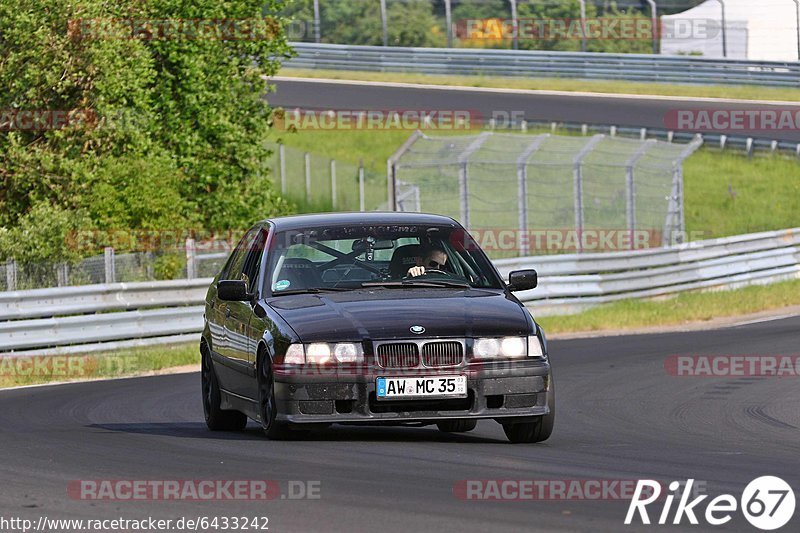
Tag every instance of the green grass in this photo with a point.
(727, 193)
(681, 309)
(16, 371)
(561, 84)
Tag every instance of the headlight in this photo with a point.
(320, 353)
(487, 348)
(535, 347)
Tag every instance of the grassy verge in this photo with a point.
(560, 84)
(77, 367)
(681, 309)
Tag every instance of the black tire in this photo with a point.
(266, 403)
(457, 426)
(216, 419)
(539, 428)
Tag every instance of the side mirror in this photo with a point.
(523, 280)
(232, 290)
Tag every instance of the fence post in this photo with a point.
(522, 191)
(654, 17)
(11, 274)
(282, 167)
(514, 25)
(307, 158)
(384, 24)
(463, 176)
(333, 184)
(583, 25)
(362, 202)
(724, 29)
(317, 32)
(630, 208)
(577, 173)
(448, 20)
(110, 264)
(62, 275)
(191, 259)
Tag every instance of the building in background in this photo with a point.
(765, 30)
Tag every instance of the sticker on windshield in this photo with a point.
(282, 285)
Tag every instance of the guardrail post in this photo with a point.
(110, 264)
(577, 173)
(333, 184)
(282, 166)
(191, 259)
(11, 275)
(307, 159)
(362, 202)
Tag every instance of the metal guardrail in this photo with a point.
(172, 311)
(519, 63)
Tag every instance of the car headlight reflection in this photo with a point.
(507, 347)
(490, 348)
(321, 353)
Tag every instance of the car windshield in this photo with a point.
(331, 259)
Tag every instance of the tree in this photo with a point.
(161, 124)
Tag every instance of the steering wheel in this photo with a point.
(436, 271)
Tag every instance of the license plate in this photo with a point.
(421, 387)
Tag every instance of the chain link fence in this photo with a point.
(529, 185)
(447, 23)
(319, 183)
(112, 268)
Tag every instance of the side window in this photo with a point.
(255, 253)
(235, 266)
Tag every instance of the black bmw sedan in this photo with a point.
(371, 318)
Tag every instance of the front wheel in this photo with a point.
(216, 419)
(266, 401)
(538, 428)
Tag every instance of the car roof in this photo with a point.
(298, 222)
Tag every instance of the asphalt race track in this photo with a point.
(620, 416)
(579, 108)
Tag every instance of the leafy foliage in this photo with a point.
(174, 128)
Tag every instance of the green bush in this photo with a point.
(176, 128)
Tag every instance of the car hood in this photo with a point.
(390, 313)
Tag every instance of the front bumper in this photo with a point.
(497, 390)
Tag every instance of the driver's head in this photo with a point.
(435, 258)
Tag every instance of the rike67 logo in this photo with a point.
(767, 503)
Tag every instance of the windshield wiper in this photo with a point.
(313, 290)
(437, 283)
(409, 283)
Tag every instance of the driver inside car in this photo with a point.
(435, 259)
